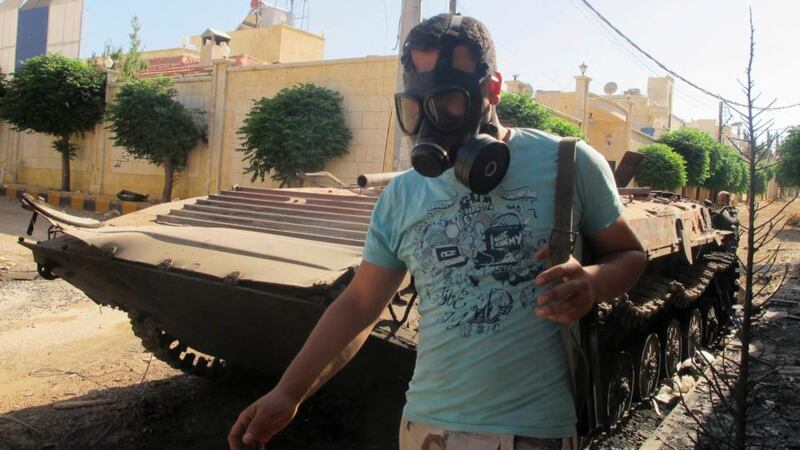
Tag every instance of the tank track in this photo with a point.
(174, 352)
(659, 323)
(653, 293)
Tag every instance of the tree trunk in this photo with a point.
(65, 170)
(169, 172)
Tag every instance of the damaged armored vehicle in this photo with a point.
(199, 277)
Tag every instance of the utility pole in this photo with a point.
(719, 131)
(411, 15)
(452, 6)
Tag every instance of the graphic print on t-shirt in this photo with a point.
(481, 248)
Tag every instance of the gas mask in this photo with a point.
(443, 109)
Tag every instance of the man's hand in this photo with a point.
(343, 328)
(570, 299)
(259, 422)
(619, 261)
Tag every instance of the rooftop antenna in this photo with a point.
(301, 11)
(255, 10)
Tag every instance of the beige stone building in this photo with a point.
(617, 122)
(223, 83)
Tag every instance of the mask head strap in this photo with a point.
(450, 39)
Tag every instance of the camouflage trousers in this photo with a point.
(417, 436)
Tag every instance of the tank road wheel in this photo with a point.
(672, 347)
(711, 323)
(619, 387)
(692, 333)
(648, 366)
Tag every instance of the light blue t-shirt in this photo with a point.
(485, 361)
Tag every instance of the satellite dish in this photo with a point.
(610, 88)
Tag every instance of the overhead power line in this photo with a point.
(672, 72)
(647, 66)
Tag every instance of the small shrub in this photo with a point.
(298, 130)
(661, 168)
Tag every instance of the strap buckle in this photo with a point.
(571, 238)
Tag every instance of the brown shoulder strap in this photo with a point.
(562, 242)
(562, 238)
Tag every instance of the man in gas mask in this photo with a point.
(467, 223)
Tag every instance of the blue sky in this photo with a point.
(543, 41)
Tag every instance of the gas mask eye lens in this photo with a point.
(409, 113)
(448, 109)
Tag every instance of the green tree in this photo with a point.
(2, 84)
(788, 168)
(58, 96)
(763, 176)
(561, 127)
(299, 129)
(724, 173)
(661, 168)
(522, 111)
(151, 124)
(695, 147)
(743, 177)
(131, 62)
(2, 91)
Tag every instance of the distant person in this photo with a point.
(727, 216)
(491, 370)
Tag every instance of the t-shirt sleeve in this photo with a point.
(597, 190)
(382, 242)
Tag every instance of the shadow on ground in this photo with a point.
(189, 413)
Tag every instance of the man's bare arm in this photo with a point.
(336, 338)
(620, 259)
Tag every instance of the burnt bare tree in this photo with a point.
(730, 382)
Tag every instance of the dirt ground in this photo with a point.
(57, 346)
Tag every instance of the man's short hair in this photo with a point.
(427, 35)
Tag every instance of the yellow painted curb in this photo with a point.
(129, 207)
(76, 202)
(101, 205)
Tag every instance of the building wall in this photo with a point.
(170, 52)
(560, 101)
(38, 27)
(226, 96)
(64, 27)
(639, 140)
(275, 44)
(367, 86)
(608, 138)
(708, 125)
(298, 45)
(9, 16)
